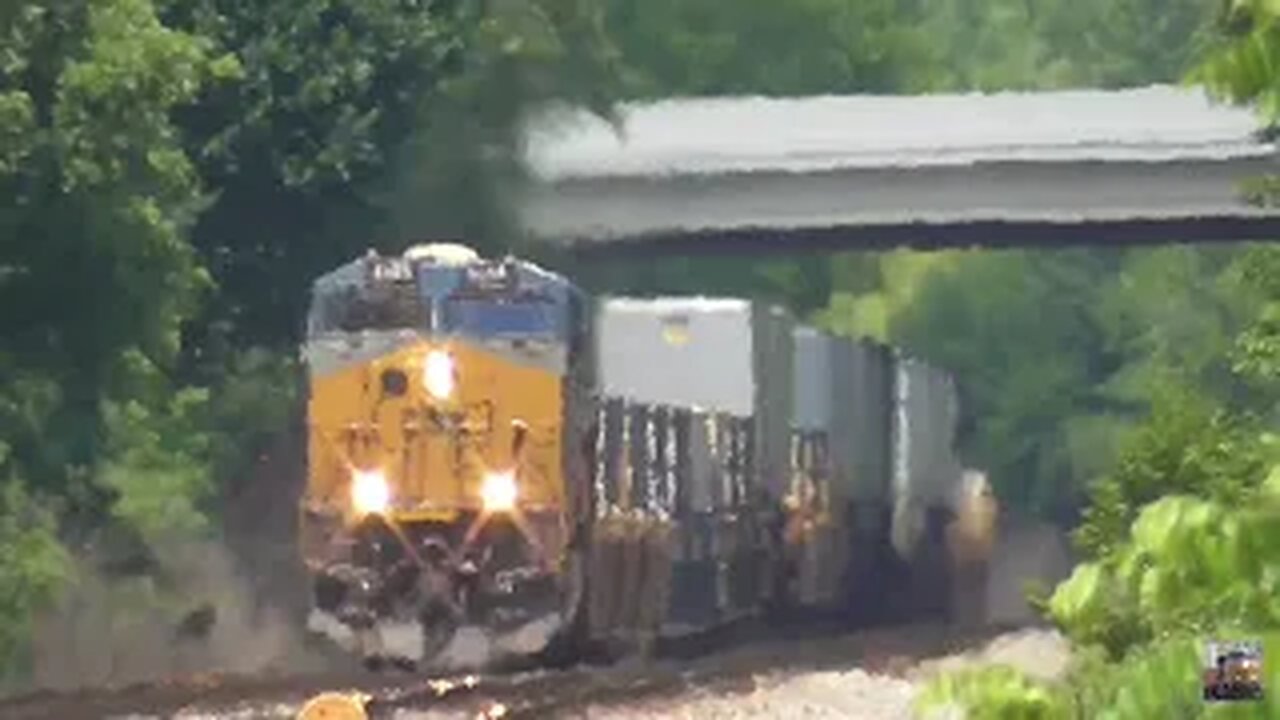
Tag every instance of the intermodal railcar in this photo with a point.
(489, 447)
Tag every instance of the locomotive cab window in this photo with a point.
(497, 317)
(351, 309)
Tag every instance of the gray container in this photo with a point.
(844, 387)
(927, 470)
(813, 376)
(720, 355)
(862, 416)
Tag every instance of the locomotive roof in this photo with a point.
(354, 272)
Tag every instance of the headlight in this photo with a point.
(499, 492)
(370, 493)
(437, 374)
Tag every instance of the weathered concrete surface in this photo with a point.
(1132, 166)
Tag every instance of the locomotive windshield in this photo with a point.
(504, 300)
(352, 309)
(503, 317)
(480, 300)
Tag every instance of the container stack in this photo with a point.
(926, 471)
(721, 369)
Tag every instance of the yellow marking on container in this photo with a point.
(675, 331)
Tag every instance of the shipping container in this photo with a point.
(813, 375)
(927, 470)
(719, 355)
(843, 390)
(862, 416)
(689, 468)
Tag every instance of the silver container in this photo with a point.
(927, 472)
(862, 415)
(812, 378)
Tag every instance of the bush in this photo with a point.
(1189, 569)
(33, 566)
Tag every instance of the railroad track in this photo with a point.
(727, 656)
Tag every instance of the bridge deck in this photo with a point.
(1140, 165)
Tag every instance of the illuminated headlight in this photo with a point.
(437, 374)
(499, 492)
(370, 493)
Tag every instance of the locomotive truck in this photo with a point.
(489, 447)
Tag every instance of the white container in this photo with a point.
(712, 354)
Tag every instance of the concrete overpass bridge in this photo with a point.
(1151, 165)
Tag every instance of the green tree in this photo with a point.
(711, 47)
(98, 276)
(1239, 64)
(1017, 330)
(987, 46)
(348, 119)
(33, 565)
(1119, 43)
(1058, 353)
(1203, 559)
(271, 136)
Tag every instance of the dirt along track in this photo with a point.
(724, 670)
(707, 678)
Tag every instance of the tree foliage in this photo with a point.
(97, 275)
(1058, 354)
(711, 47)
(1189, 569)
(1240, 65)
(33, 565)
(1183, 533)
(1030, 44)
(365, 123)
(174, 174)
(1181, 540)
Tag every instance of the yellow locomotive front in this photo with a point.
(442, 485)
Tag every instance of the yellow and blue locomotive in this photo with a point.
(447, 469)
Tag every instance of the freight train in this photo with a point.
(489, 447)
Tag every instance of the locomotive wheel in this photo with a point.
(569, 642)
(439, 625)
